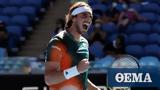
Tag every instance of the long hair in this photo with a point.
(69, 17)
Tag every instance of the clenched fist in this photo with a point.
(83, 66)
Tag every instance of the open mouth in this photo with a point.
(85, 25)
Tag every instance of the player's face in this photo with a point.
(82, 22)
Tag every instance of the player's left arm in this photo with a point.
(92, 86)
(84, 53)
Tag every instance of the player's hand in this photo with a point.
(83, 66)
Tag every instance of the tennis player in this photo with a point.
(67, 53)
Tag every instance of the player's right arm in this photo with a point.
(53, 75)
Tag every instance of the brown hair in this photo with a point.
(69, 17)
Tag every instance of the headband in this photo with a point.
(81, 10)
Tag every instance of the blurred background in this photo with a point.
(119, 27)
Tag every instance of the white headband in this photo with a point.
(81, 9)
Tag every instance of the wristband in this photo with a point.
(70, 72)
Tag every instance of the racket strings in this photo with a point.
(125, 62)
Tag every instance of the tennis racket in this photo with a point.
(124, 61)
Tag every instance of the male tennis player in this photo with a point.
(67, 54)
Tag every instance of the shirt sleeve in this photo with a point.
(53, 51)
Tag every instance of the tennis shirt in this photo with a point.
(64, 49)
